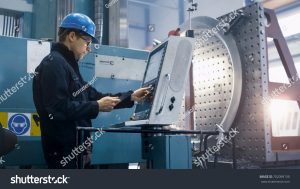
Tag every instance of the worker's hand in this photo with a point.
(140, 94)
(107, 104)
(174, 32)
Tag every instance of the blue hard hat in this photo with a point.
(80, 22)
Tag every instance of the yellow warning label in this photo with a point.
(3, 119)
(35, 125)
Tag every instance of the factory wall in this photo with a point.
(152, 20)
(215, 8)
(164, 17)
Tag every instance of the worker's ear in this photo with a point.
(72, 36)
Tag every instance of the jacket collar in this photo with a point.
(67, 54)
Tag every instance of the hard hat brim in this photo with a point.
(94, 40)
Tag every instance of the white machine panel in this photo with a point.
(166, 73)
(119, 67)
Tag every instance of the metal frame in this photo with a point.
(148, 133)
(289, 143)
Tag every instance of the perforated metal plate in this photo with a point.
(252, 118)
(217, 97)
(217, 82)
(217, 75)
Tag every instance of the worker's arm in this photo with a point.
(54, 82)
(125, 98)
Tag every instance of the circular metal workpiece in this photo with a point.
(217, 73)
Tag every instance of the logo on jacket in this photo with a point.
(19, 124)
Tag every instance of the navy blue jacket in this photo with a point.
(56, 81)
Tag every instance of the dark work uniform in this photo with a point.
(8, 140)
(56, 81)
(1, 140)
